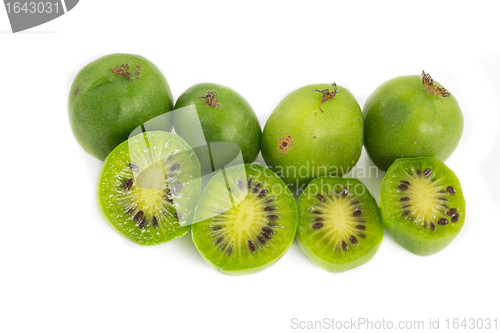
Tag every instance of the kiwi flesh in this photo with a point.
(422, 203)
(340, 226)
(149, 186)
(245, 221)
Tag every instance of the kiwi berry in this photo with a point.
(245, 221)
(422, 203)
(340, 227)
(149, 186)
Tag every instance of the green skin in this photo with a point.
(402, 119)
(235, 122)
(216, 196)
(105, 108)
(324, 143)
(313, 242)
(116, 169)
(410, 235)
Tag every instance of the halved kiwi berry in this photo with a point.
(340, 227)
(423, 206)
(247, 220)
(149, 186)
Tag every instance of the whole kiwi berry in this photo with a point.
(315, 131)
(112, 96)
(411, 116)
(229, 125)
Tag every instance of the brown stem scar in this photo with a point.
(327, 95)
(284, 144)
(432, 88)
(122, 70)
(211, 99)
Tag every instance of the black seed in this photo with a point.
(272, 217)
(178, 216)
(444, 199)
(442, 221)
(128, 184)
(143, 223)
(433, 227)
(262, 240)
(316, 212)
(317, 225)
(353, 240)
(263, 193)
(168, 159)
(175, 167)
(362, 235)
(361, 221)
(357, 212)
(405, 182)
(360, 227)
(249, 183)
(240, 185)
(406, 206)
(354, 203)
(404, 199)
(155, 222)
(133, 167)
(344, 191)
(418, 172)
(455, 218)
(229, 250)
(319, 219)
(251, 246)
(403, 187)
(405, 213)
(451, 190)
(257, 187)
(216, 227)
(218, 240)
(269, 208)
(451, 211)
(424, 224)
(169, 199)
(344, 246)
(130, 211)
(320, 197)
(138, 216)
(427, 172)
(178, 187)
(442, 204)
(269, 201)
(268, 236)
(271, 224)
(267, 230)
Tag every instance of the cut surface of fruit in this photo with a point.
(340, 226)
(149, 186)
(422, 204)
(245, 221)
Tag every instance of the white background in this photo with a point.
(63, 269)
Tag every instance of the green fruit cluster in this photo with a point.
(121, 111)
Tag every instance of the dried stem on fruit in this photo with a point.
(431, 88)
(327, 95)
(211, 99)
